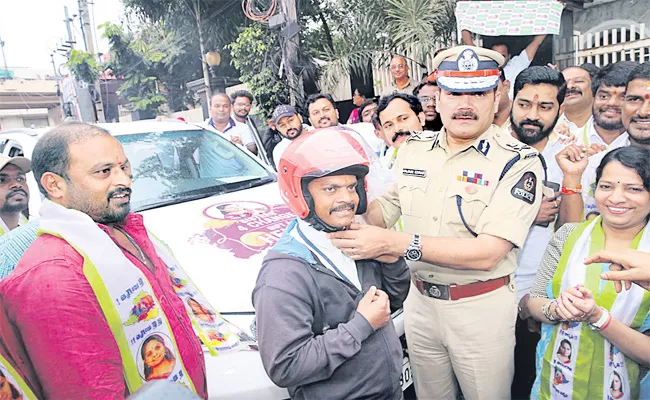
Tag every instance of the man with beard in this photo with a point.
(579, 99)
(539, 93)
(426, 94)
(324, 114)
(636, 110)
(513, 65)
(398, 115)
(606, 127)
(14, 193)
(62, 323)
(289, 123)
(241, 107)
(323, 319)
(603, 133)
(467, 196)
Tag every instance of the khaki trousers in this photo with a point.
(470, 340)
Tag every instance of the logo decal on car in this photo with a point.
(245, 228)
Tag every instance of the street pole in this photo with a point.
(291, 51)
(58, 86)
(86, 29)
(89, 43)
(68, 27)
(4, 58)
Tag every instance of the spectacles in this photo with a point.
(398, 66)
(426, 100)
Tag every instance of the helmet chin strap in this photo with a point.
(320, 225)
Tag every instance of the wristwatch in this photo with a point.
(601, 323)
(414, 251)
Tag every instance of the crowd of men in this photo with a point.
(499, 167)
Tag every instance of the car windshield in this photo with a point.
(176, 166)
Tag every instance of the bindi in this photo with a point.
(536, 98)
(647, 96)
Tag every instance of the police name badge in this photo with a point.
(418, 173)
(525, 188)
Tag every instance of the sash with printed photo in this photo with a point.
(209, 325)
(12, 385)
(579, 363)
(141, 328)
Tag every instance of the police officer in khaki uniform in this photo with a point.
(468, 196)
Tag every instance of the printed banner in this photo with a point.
(509, 18)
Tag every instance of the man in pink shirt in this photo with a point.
(53, 327)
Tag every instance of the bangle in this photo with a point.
(546, 311)
(575, 190)
(609, 319)
(602, 322)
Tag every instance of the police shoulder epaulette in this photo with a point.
(511, 144)
(422, 136)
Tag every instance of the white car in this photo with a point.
(219, 220)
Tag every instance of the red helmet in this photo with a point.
(315, 154)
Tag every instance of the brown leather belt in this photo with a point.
(457, 292)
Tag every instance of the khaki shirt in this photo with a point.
(392, 88)
(430, 178)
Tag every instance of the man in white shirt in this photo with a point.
(215, 159)
(221, 121)
(539, 93)
(579, 100)
(514, 65)
(324, 114)
(398, 115)
(242, 102)
(289, 123)
(606, 127)
(605, 132)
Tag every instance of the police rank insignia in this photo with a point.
(472, 178)
(525, 188)
(484, 147)
(467, 61)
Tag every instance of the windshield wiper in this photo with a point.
(247, 184)
(174, 200)
(207, 192)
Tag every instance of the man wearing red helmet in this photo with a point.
(323, 319)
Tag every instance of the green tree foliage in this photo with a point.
(132, 60)
(153, 65)
(388, 27)
(219, 21)
(337, 37)
(83, 66)
(255, 55)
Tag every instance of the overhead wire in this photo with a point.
(254, 10)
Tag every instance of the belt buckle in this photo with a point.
(438, 291)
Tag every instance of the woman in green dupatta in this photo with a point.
(575, 305)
